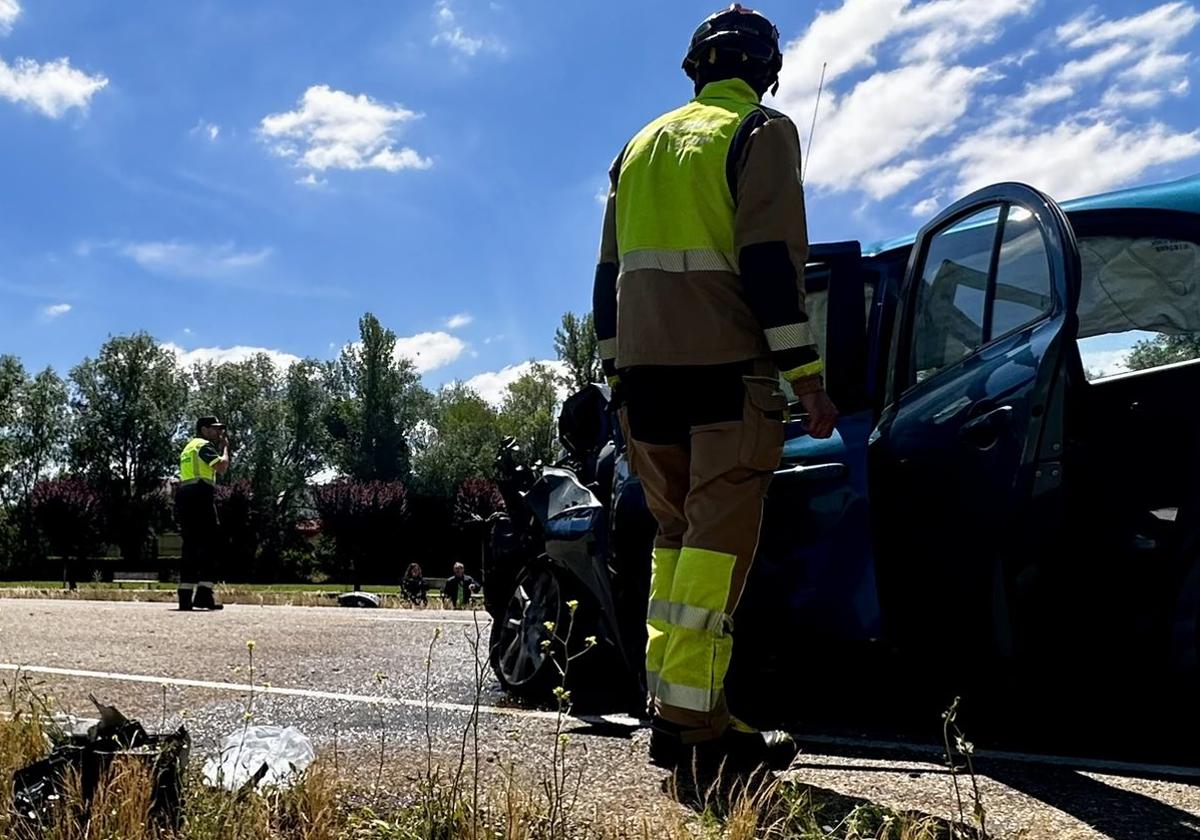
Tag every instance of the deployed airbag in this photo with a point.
(1139, 283)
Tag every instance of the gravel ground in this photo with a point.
(342, 652)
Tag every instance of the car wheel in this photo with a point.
(517, 658)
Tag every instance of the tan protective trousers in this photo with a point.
(706, 491)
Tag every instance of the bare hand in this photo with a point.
(822, 414)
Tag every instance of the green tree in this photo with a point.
(43, 425)
(576, 344)
(1165, 350)
(277, 433)
(304, 449)
(129, 403)
(378, 402)
(248, 397)
(461, 440)
(12, 381)
(529, 413)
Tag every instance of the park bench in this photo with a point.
(143, 578)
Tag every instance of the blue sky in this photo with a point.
(233, 175)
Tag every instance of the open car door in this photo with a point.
(964, 463)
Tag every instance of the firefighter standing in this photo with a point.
(204, 458)
(698, 304)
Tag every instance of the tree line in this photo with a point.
(355, 449)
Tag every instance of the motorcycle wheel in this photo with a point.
(516, 654)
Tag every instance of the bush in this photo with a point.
(476, 500)
(69, 515)
(363, 520)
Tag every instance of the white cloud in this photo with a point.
(1157, 65)
(457, 322)
(221, 355)
(926, 208)
(56, 311)
(207, 129)
(852, 36)
(311, 180)
(1136, 50)
(923, 97)
(10, 10)
(1069, 159)
(1161, 25)
(451, 34)
(1101, 363)
(332, 129)
(1120, 99)
(906, 104)
(430, 350)
(949, 27)
(493, 384)
(191, 260)
(1041, 94)
(52, 88)
(916, 102)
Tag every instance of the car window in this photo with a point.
(1023, 289)
(951, 295)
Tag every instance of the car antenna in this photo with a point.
(813, 128)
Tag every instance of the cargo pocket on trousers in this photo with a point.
(763, 423)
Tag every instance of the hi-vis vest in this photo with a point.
(675, 206)
(192, 468)
(684, 202)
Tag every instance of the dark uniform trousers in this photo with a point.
(197, 515)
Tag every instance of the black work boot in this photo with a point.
(666, 746)
(739, 747)
(206, 600)
(185, 598)
(748, 748)
(718, 774)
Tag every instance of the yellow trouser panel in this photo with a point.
(698, 642)
(662, 575)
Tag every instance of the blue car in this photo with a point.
(988, 493)
(991, 493)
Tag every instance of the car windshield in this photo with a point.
(1138, 306)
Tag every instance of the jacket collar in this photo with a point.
(728, 89)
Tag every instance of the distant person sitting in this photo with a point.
(413, 585)
(460, 587)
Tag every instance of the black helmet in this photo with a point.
(741, 33)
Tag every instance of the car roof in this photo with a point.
(1182, 195)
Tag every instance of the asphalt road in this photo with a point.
(348, 677)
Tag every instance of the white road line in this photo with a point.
(309, 693)
(1095, 765)
(1088, 764)
(483, 622)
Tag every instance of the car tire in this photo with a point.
(523, 669)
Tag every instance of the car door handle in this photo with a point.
(985, 430)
